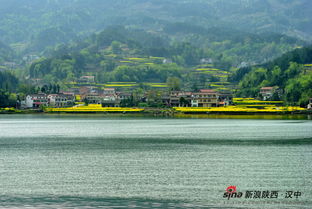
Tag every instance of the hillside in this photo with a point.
(42, 23)
(118, 54)
(291, 73)
(6, 53)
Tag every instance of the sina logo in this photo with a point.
(231, 192)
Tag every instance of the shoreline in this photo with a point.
(157, 112)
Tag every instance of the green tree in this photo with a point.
(173, 83)
(116, 47)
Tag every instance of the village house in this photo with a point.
(110, 98)
(205, 98)
(84, 90)
(206, 61)
(243, 65)
(310, 104)
(61, 100)
(167, 61)
(30, 58)
(180, 99)
(109, 91)
(225, 98)
(123, 95)
(92, 98)
(71, 91)
(36, 100)
(267, 92)
(54, 100)
(107, 96)
(110, 101)
(86, 79)
(165, 99)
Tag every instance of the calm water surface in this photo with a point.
(80, 161)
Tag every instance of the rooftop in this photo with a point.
(207, 91)
(267, 88)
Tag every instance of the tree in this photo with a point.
(86, 101)
(174, 83)
(116, 47)
(154, 98)
(7, 99)
(293, 91)
(183, 102)
(293, 70)
(276, 77)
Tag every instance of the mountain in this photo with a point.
(64, 20)
(6, 53)
(192, 46)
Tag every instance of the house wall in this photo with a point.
(29, 102)
(205, 100)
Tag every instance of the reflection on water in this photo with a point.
(179, 116)
(91, 161)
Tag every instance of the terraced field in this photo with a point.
(118, 85)
(142, 60)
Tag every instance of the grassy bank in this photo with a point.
(9, 110)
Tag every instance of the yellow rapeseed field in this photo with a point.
(93, 108)
(268, 108)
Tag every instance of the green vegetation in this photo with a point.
(287, 72)
(6, 54)
(187, 45)
(8, 83)
(38, 27)
(46, 22)
(125, 55)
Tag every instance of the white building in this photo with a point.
(310, 104)
(53, 100)
(61, 100)
(109, 91)
(36, 100)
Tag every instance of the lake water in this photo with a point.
(88, 161)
